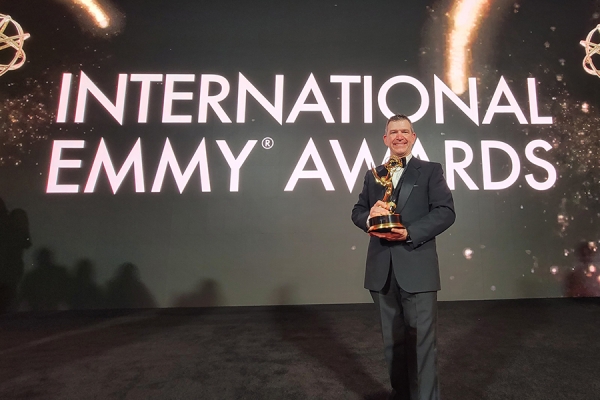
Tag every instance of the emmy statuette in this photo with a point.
(385, 223)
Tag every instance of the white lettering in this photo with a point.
(276, 109)
(419, 151)
(214, 100)
(488, 184)
(86, 85)
(368, 99)
(471, 111)
(533, 106)
(63, 102)
(513, 107)
(382, 97)
(171, 95)
(235, 163)
(321, 106)
(168, 159)
(299, 173)
(458, 167)
(345, 80)
(146, 79)
(57, 163)
(529, 153)
(103, 159)
(364, 156)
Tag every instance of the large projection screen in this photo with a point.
(194, 153)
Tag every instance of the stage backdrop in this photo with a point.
(193, 153)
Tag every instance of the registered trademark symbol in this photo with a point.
(267, 143)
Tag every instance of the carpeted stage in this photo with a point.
(513, 349)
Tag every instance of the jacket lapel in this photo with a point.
(409, 178)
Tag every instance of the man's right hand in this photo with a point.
(379, 208)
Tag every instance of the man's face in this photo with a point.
(399, 138)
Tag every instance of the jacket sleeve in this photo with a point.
(361, 210)
(441, 213)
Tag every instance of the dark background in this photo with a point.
(262, 245)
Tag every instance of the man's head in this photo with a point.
(399, 135)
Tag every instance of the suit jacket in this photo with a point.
(427, 209)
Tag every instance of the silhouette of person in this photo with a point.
(126, 290)
(583, 281)
(85, 293)
(206, 294)
(14, 240)
(46, 287)
(5, 294)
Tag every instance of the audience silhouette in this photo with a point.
(85, 293)
(14, 240)
(126, 290)
(584, 278)
(46, 287)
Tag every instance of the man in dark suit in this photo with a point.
(402, 270)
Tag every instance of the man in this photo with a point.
(402, 270)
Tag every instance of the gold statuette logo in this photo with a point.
(591, 49)
(11, 37)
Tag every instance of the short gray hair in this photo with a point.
(399, 117)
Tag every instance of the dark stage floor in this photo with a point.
(515, 349)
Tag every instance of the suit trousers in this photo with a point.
(409, 330)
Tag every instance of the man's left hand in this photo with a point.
(396, 235)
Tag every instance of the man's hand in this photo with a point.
(396, 235)
(380, 208)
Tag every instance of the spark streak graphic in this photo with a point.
(99, 17)
(95, 10)
(465, 18)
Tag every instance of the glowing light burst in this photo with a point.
(101, 18)
(591, 49)
(24, 120)
(14, 41)
(95, 10)
(465, 18)
(468, 253)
